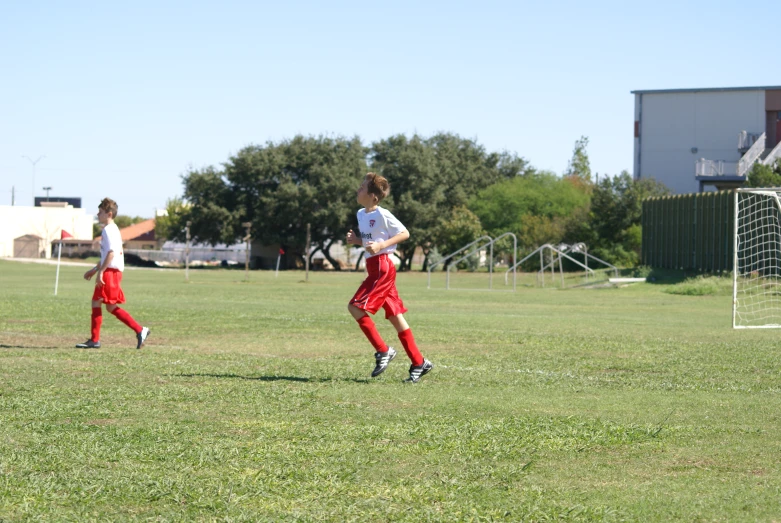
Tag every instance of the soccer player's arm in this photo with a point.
(375, 247)
(352, 238)
(396, 239)
(103, 266)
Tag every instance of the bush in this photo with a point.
(434, 257)
(471, 263)
(643, 271)
(702, 286)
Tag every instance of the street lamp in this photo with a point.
(47, 189)
(34, 162)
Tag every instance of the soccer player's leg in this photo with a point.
(113, 296)
(367, 300)
(394, 311)
(95, 322)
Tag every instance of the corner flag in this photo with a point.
(63, 235)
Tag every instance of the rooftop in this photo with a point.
(137, 230)
(709, 89)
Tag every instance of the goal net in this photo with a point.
(756, 287)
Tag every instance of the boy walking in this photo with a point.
(380, 232)
(108, 288)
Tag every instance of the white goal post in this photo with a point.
(756, 274)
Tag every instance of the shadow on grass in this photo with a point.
(4, 346)
(268, 378)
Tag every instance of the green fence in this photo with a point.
(689, 231)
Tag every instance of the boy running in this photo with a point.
(108, 289)
(380, 233)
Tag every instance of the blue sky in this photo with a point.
(123, 99)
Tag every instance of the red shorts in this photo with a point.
(379, 288)
(111, 291)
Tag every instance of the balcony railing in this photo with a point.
(746, 140)
(716, 168)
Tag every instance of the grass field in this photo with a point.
(252, 402)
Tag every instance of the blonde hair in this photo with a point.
(378, 186)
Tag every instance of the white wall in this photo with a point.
(671, 124)
(46, 222)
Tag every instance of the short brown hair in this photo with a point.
(109, 205)
(378, 186)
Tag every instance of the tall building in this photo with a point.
(703, 139)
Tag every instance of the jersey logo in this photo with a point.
(371, 223)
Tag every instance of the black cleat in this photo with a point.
(141, 337)
(383, 358)
(418, 371)
(89, 344)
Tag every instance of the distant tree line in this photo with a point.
(446, 189)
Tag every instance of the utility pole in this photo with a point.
(13, 195)
(34, 162)
(187, 251)
(47, 189)
(308, 242)
(247, 238)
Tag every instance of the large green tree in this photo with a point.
(432, 176)
(457, 228)
(612, 231)
(169, 226)
(212, 208)
(535, 207)
(279, 188)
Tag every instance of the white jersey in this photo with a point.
(378, 225)
(111, 240)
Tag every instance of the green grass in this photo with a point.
(252, 402)
(703, 286)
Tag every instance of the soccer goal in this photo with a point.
(756, 275)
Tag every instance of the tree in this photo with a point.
(613, 226)
(762, 175)
(457, 229)
(212, 208)
(416, 199)
(279, 188)
(535, 207)
(432, 176)
(299, 181)
(579, 167)
(171, 225)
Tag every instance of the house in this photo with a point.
(704, 139)
(29, 246)
(140, 235)
(27, 231)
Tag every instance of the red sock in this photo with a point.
(97, 321)
(408, 341)
(127, 319)
(368, 328)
